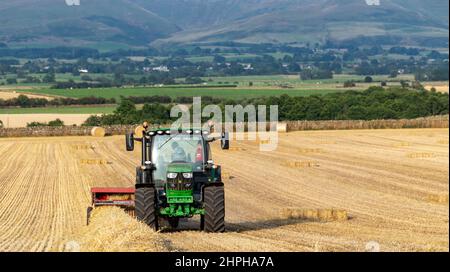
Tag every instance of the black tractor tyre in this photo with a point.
(145, 206)
(214, 201)
(174, 222)
(202, 222)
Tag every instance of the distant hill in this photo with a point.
(139, 22)
(52, 21)
(408, 21)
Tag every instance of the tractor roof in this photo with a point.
(161, 131)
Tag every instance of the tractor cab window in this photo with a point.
(180, 148)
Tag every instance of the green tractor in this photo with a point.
(178, 179)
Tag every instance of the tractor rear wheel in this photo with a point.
(145, 206)
(214, 218)
(202, 222)
(174, 222)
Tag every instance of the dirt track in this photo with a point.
(393, 184)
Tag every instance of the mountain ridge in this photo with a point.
(160, 22)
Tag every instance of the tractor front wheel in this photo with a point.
(214, 218)
(145, 207)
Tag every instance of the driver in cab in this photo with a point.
(178, 153)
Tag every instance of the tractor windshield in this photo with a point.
(180, 148)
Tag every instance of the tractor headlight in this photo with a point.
(187, 175)
(188, 185)
(172, 175)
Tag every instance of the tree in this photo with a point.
(23, 101)
(125, 113)
(49, 78)
(368, 79)
(155, 113)
(36, 124)
(11, 81)
(56, 123)
(219, 59)
(93, 121)
(310, 74)
(357, 113)
(294, 67)
(86, 78)
(349, 84)
(193, 80)
(119, 79)
(393, 74)
(404, 84)
(417, 85)
(380, 112)
(125, 107)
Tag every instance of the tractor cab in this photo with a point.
(178, 178)
(173, 154)
(182, 164)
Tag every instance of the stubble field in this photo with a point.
(391, 184)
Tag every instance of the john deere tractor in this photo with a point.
(178, 179)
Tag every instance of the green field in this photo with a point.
(274, 85)
(61, 110)
(232, 93)
(296, 82)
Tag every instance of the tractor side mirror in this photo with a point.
(225, 141)
(129, 141)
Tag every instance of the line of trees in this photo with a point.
(84, 85)
(164, 99)
(55, 123)
(374, 103)
(24, 101)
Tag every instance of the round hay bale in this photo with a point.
(138, 131)
(98, 132)
(282, 127)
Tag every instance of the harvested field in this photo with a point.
(4, 94)
(366, 188)
(126, 233)
(21, 120)
(440, 87)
